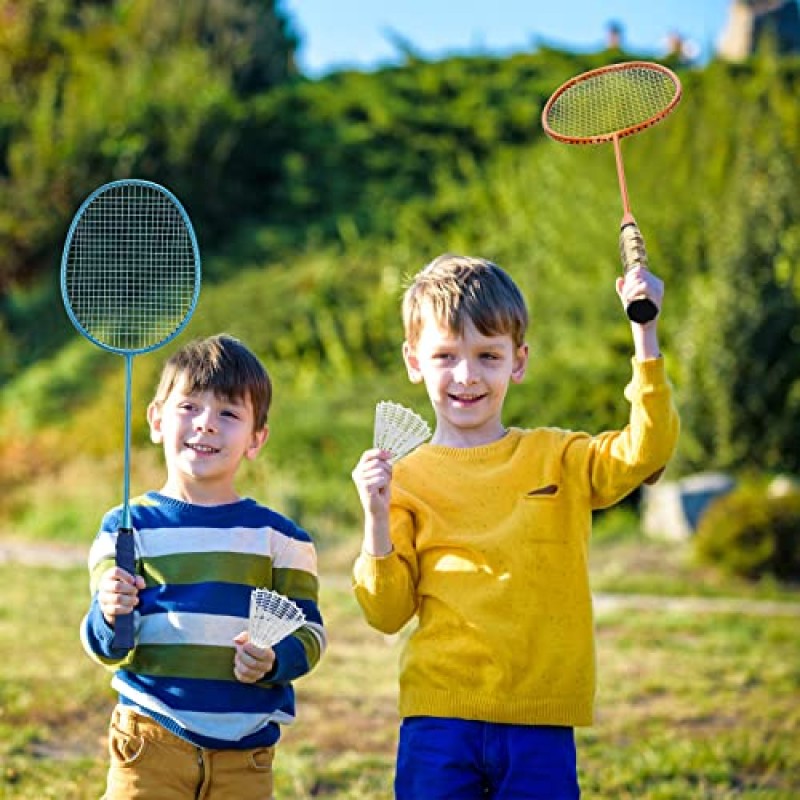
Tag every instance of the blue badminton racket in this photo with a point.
(130, 280)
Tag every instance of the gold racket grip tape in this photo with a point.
(631, 247)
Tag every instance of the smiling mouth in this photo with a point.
(202, 449)
(466, 399)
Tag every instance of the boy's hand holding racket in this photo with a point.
(641, 284)
(118, 593)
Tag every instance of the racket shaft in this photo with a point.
(125, 559)
(623, 184)
(634, 254)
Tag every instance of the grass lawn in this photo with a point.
(690, 705)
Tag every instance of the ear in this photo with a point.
(412, 363)
(520, 363)
(258, 440)
(154, 421)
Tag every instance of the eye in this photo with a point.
(229, 412)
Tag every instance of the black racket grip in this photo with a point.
(125, 554)
(641, 311)
(633, 253)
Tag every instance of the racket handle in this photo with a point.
(125, 555)
(633, 253)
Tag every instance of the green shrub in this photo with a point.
(752, 534)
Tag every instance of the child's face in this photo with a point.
(205, 438)
(467, 377)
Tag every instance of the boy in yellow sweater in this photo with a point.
(483, 535)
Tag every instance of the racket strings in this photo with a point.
(609, 102)
(130, 276)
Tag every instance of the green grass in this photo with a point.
(698, 705)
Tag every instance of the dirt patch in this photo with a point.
(81, 734)
(47, 554)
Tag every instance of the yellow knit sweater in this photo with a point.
(490, 554)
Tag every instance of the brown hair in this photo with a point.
(460, 288)
(223, 365)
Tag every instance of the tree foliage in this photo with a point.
(739, 354)
(315, 200)
(102, 90)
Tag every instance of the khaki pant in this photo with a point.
(150, 763)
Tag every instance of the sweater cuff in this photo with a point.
(369, 569)
(291, 661)
(647, 375)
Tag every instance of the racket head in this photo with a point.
(611, 102)
(130, 267)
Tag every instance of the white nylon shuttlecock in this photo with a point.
(398, 429)
(272, 617)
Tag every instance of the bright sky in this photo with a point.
(358, 33)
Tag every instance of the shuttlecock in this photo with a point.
(272, 617)
(398, 429)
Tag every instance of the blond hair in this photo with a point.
(223, 365)
(460, 288)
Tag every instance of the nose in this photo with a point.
(464, 372)
(204, 420)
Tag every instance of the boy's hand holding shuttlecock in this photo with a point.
(251, 662)
(272, 618)
(398, 431)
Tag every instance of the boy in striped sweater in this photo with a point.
(200, 706)
(482, 535)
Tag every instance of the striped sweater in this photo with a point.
(200, 565)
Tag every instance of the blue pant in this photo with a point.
(457, 759)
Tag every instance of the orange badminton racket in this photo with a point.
(606, 105)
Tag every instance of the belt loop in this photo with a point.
(126, 720)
